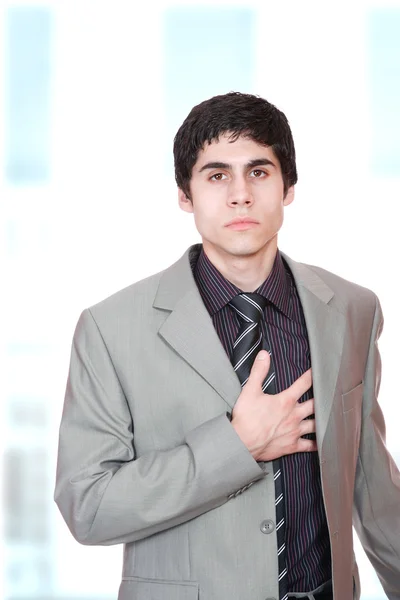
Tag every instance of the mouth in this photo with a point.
(239, 219)
(241, 226)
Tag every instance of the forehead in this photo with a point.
(241, 151)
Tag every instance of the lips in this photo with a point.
(240, 220)
(242, 225)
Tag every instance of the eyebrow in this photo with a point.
(256, 162)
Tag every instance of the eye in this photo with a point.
(258, 173)
(217, 177)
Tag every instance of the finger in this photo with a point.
(299, 387)
(259, 369)
(306, 408)
(307, 446)
(307, 426)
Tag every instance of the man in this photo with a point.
(188, 430)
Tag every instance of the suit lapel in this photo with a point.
(326, 329)
(190, 331)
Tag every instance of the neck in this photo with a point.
(246, 271)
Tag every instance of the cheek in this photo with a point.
(206, 217)
(206, 208)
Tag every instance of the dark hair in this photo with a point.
(241, 115)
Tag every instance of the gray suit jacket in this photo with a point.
(148, 458)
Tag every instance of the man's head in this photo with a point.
(235, 159)
(239, 115)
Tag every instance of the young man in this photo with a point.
(188, 430)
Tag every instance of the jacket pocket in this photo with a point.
(137, 588)
(352, 410)
(353, 398)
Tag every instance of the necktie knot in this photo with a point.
(250, 307)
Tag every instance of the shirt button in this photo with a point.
(267, 526)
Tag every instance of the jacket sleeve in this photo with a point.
(376, 513)
(108, 495)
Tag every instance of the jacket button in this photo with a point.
(267, 526)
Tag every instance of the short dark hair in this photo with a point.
(241, 115)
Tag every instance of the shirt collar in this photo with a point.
(216, 291)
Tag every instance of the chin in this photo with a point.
(243, 249)
(239, 247)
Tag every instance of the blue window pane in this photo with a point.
(384, 55)
(208, 51)
(27, 56)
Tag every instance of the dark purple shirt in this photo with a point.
(308, 557)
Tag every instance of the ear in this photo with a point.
(184, 202)
(288, 199)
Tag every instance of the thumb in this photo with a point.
(260, 368)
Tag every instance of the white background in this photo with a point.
(108, 216)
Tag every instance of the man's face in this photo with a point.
(239, 179)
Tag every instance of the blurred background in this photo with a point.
(91, 95)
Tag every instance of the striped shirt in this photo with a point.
(308, 557)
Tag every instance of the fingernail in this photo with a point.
(262, 356)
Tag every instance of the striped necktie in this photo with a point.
(249, 341)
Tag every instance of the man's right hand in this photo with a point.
(271, 425)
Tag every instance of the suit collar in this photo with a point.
(178, 280)
(307, 278)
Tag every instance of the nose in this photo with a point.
(239, 192)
